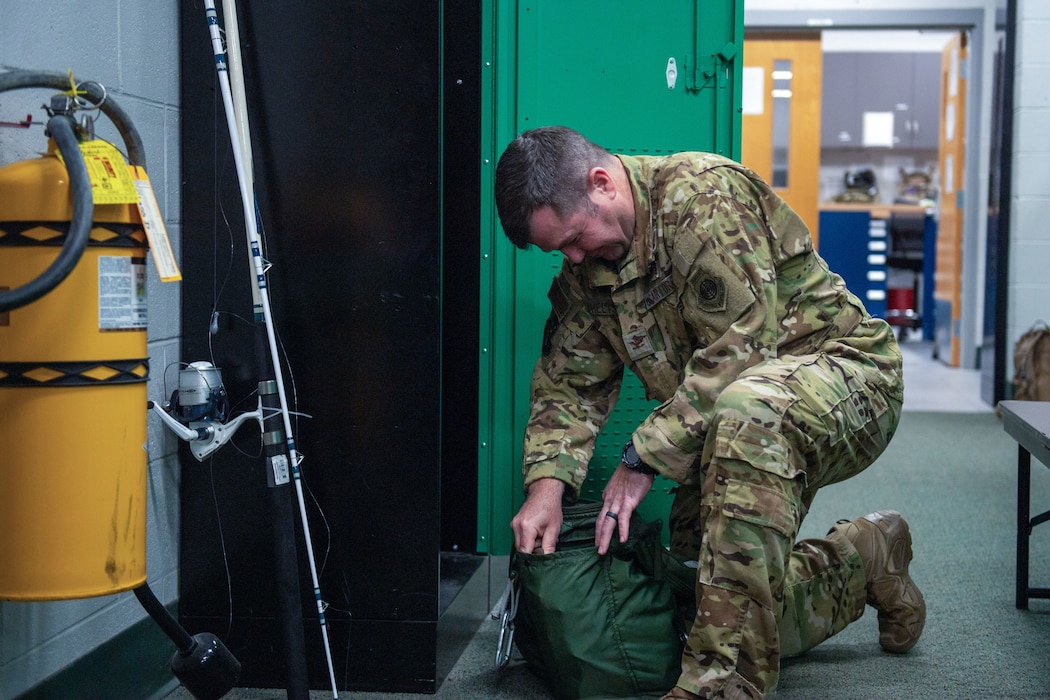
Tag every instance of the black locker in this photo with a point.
(345, 108)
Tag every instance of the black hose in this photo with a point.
(19, 79)
(61, 129)
(176, 633)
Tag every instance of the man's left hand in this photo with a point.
(623, 493)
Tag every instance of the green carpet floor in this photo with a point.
(953, 476)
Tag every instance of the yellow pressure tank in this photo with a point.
(73, 372)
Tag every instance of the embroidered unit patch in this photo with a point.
(711, 294)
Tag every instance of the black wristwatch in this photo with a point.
(632, 461)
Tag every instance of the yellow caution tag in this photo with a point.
(153, 223)
(108, 173)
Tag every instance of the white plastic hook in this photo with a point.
(672, 73)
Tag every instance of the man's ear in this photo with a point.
(600, 181)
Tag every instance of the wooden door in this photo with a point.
(780, 127)
(948, 274)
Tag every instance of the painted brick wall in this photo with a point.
(1029, 290)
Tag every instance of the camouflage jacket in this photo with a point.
(721, 275)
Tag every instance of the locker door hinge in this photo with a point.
(714, 72)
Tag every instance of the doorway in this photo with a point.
(885, 113)
(849, 123)
(980, 23)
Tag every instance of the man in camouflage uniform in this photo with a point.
(773, 381)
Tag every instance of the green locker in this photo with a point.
(643, 78)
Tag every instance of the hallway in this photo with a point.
(930, 385)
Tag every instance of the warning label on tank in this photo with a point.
(121, 293)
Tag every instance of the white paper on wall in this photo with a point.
(878, 129)
(752, 100)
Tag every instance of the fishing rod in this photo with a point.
(231, 79)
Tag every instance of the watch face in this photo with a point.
(633, 462)
(630, 455)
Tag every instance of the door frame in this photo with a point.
(981, 24)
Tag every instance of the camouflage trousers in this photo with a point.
(779, 432)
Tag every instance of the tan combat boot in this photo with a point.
(884, 543)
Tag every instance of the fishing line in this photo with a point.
(222, 547)
(218, 288)
(313, 498)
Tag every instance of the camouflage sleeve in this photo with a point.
(726, 252)
(575, 385)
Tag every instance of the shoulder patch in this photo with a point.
(710, 293)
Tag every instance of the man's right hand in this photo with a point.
(538, 523)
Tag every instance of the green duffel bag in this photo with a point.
(601, 626)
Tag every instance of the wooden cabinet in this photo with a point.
(904, 84)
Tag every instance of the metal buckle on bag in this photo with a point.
(506, 610)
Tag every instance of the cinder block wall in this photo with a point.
(1029, 290)
(132, 48)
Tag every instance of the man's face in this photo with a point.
(590, 232)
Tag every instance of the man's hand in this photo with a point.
(538, 523)
(623, 493)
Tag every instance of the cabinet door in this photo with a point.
(623, 100)
(885, 85)
(904, 84)
(925, 115)
(839, 116)
(854, 247)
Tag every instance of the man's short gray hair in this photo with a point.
(543, 167)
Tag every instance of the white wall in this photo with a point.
(132, 48)
(1029, 289)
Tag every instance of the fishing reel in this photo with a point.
(198, 410)
(201, 396)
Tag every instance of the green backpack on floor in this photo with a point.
(600, 626)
